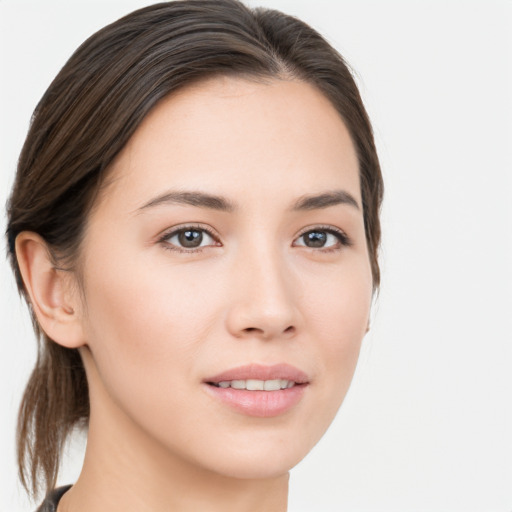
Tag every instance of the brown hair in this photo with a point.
(87, 115)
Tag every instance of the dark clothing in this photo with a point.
(52, 500)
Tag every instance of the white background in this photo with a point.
(427, 425)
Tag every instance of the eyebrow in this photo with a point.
(215, 202)
(324, 200)
(191, 198)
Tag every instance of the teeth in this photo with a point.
(272, 385)
(257, 385)
(238, 384)
(254, 385)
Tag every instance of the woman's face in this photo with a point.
(228, 251)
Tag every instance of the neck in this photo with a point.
(126, 470)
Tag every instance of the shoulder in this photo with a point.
(52, 499)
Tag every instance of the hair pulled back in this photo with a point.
(86, 117)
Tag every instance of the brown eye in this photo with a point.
(315, 238)
(189, 238)
(321, 238)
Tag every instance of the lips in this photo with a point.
(261, 372)
(258, 390)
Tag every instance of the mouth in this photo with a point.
(255, 384)
(258, 390)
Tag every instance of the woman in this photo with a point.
(194, 224)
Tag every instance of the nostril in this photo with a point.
(289, 331)
(249, 330)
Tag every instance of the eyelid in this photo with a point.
(343, 238)
(168, 233)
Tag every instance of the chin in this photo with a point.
(257, 467)
(264, 456)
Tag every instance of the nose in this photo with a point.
(264, 300)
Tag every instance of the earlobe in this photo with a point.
(50, 291)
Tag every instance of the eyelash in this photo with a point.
(176, 230)
(343, 239)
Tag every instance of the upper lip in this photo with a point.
(261, 372)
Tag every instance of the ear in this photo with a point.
(52, 291)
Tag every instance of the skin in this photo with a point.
(152, 322)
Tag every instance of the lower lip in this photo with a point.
(261, 404)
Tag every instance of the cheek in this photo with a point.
(337, 302)
(143, 326)
(136, 301)
(339, 319)
(145, 331)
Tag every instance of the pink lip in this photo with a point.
(262, 372)
(262, 404)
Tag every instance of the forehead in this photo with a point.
(238, 137)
